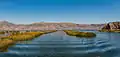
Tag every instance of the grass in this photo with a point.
(24, 36)
(7, 41)
(80, 34)
(1, 32)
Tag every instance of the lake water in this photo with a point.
(58, 44)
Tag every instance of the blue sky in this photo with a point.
(76, 11)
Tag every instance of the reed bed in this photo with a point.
(7, 41)
(1, 32)
(106, 30)
(80, 34)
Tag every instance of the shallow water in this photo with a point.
(58, 44)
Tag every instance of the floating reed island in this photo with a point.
(106, 30)
(80, 34)
(14, 37)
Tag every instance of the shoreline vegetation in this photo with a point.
(14, 37)
(106, 30)
(80, 34)
(1, 32)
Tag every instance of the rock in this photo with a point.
(107, 26)
(112, 26)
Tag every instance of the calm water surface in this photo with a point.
(58, 44)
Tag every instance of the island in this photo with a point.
(80, 34)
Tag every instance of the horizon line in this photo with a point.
(54, 22)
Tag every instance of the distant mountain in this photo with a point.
(56, 25)
(5, 25)
(90, 26)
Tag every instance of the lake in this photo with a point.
(58, 44)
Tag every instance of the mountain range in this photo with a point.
(5, 25)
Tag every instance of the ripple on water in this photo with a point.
(65, 46)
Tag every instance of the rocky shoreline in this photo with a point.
(111, 27)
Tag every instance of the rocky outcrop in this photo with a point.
(112, 26)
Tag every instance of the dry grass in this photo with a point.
(80, 34)
(7, 41)
(1, 32)
(105, 30)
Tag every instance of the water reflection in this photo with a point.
(59, 44)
